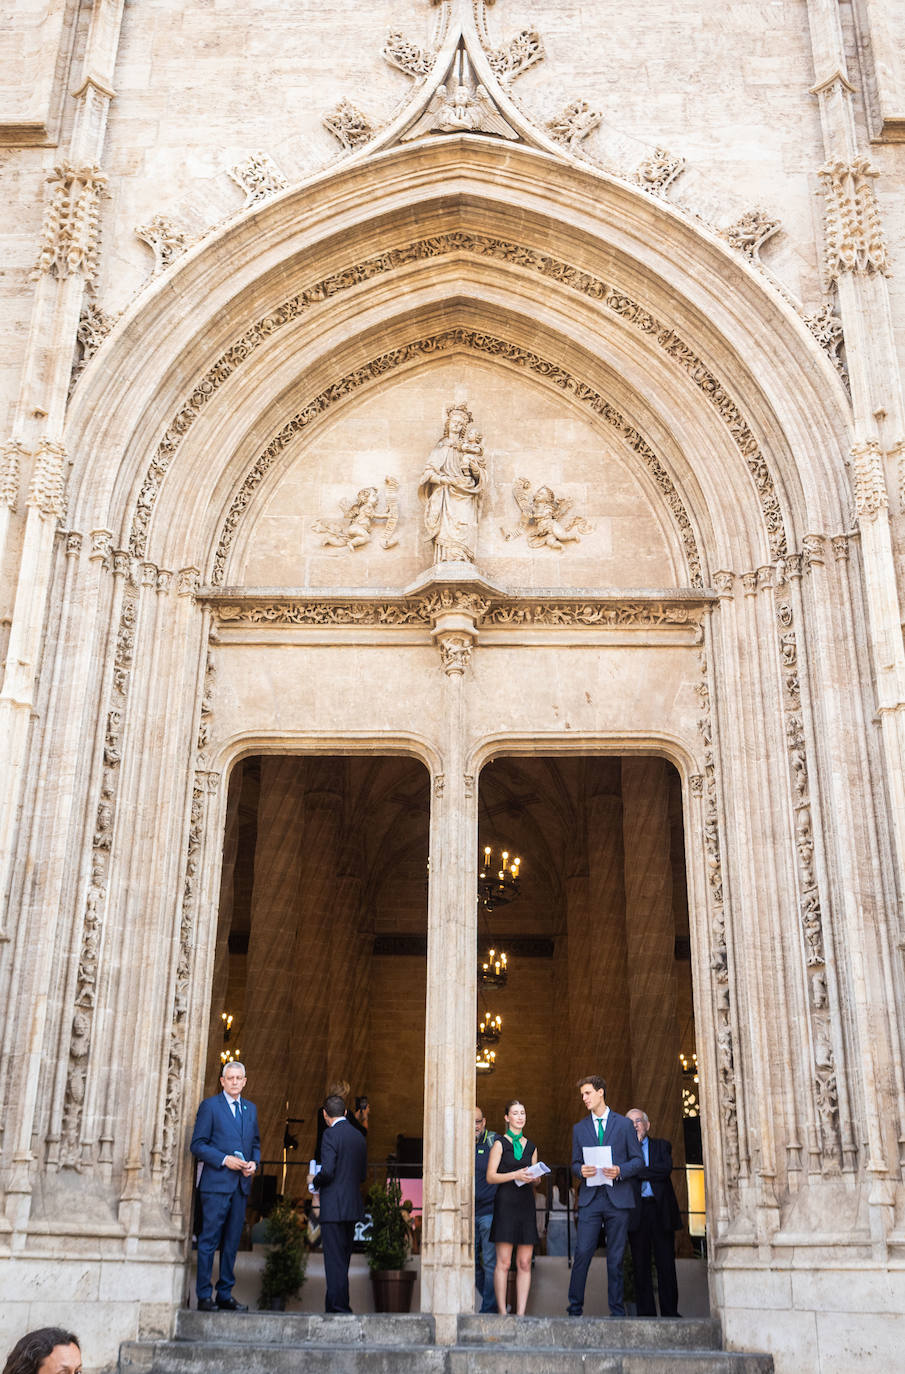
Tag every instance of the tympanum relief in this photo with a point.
(543, 518)
(359, 514)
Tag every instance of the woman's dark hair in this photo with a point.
(30, 1352)
(516, 1102)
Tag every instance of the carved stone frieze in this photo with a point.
(165, 239)
(573, 124)
(12, 455)
(749, 233)
(853, 238)
(47, 489)
(543, 518)
(259, 177)
(422, 611)
(359, 514)
(70, 234)
(528, 259)
(871, 495)
(408, 56)
(347, 124)
(658, 171)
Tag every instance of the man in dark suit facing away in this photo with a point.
(604, 1204)
(227, 1143)
(344, 1157)
(655, 1220)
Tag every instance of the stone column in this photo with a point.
(269, 1036)
(220, 980)
(322, 918)
(447, 1273)
(650, 945)
(600, 1036)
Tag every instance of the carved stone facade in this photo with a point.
(467, 438)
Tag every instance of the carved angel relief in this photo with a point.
(461, 109)
(542, 518)
(359, 514)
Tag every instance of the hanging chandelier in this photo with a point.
(490, 1029)
(495, 969)
(485, 1060)
(498, 878)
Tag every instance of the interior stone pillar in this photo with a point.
(650, 944)
(350, 962)
(270, 1033)
(321, 917)
(599, 1030)
(220, 979)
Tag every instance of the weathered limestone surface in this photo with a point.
(660, 264)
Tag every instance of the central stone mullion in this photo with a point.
(447, 1265)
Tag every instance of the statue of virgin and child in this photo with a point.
(452, 486)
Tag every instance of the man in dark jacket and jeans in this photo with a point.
(484, 1193)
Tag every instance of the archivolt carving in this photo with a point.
(165, 239)
(748, 234)
(259, 177)
(573, 124)
(93, 327)
(478, 341)
(409, 57)
(516, 56)
(719, 954)
(528, 259)
(347, 123)
(658, 171)
(74, 1153)
(825, 1087)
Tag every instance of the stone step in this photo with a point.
(592, 1333)
(185, 1357)
(304, 1328)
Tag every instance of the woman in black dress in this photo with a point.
(514, 1217)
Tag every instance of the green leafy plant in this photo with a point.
(389, 1243)
(284, 1269)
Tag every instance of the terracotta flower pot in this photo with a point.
(393, 1289)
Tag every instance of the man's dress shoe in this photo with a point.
(230, 1305)
(206, 1305)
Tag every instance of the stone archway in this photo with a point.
(709, 392)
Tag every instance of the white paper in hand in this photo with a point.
(601, 1156)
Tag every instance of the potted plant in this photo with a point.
(388, 1247)
(284, 1270)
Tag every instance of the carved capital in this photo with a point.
(70, 234)
(455, 650)
(696, 783)
(12, 454)
(749, 582)
(149, 574)
(839, 544)
(187, 580)
(853, 237)
(723, 582)
(813, 547)
(871, 495)
(121, 566)
(164, 581)
(73, 544)
(47, 490)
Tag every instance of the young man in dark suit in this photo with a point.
(655, 1220)
(227, 1142)
(344, 1155)
(606, 1204)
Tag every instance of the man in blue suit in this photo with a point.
(227, 1143)
(608, 1205)
(344, 1156)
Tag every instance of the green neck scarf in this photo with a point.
(518, 1147)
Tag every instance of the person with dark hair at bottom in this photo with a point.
(49, 1350)
(344, 1153)
(654, 1222)
(514, 1214)
(607, 1204)
(484, 1194)
(227, 1143)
